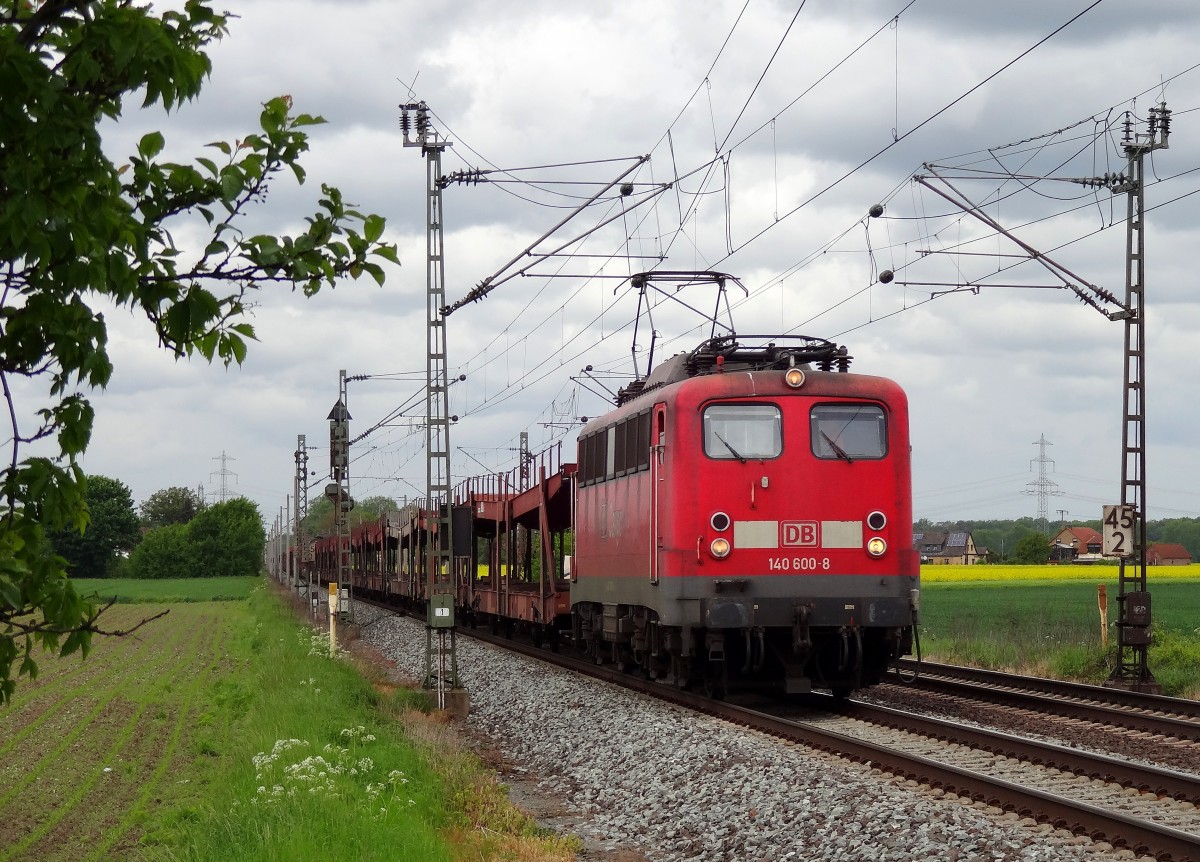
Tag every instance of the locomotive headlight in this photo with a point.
(876, 546)
(719, 521)
(719, 548)
(794, 378)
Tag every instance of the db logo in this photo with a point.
(802, 534)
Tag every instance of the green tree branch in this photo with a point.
(79, 230)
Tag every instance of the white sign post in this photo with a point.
(1118, 523)
(333, 609)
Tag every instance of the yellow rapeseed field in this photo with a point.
(950, 574)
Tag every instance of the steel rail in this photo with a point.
(1168, 716)
(1147, 778)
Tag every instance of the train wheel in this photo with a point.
(625, 660)
(841, 692)
(715, 681)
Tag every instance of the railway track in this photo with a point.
(1143, 713)
(1149, 810)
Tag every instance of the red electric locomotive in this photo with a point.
(744, 519)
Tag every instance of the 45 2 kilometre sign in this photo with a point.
(1118, 523)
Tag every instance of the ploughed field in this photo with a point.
(90, 747)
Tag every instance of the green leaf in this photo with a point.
(307, 120)
(387, 252)
(373, 227)
(239, 349)
(73, 642)
(151, 144)
(10, 593)
(233, 183)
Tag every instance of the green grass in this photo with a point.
(167, 590)
(298, 756)
(1053, 628)
(225, 731)
(296, 761)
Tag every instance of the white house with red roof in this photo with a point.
(1076, 545)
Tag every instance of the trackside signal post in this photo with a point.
(441, 660)
(300, 574)
(338, 491)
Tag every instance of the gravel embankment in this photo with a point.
(623, 770)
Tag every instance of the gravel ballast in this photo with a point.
(629, 771)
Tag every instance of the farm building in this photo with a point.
(1167, 554)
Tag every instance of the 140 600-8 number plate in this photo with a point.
(798, 564)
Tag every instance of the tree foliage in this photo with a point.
(164, 552)
(228, 538)
(80, 231)
(1181, 531)
(112, 529)
(174, 505)
(1032, 549)
(319, 520)
(225, 539)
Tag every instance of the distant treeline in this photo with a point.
(1000, 538)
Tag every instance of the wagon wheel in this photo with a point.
(716, 683)
(622, 658)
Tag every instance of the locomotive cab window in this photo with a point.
(848, 431)
(742, 431)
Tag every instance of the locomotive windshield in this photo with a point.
(848, 431)
(741, 431)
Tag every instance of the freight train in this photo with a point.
(741, 520)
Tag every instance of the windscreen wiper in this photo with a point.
(732, 451)
(838, 450)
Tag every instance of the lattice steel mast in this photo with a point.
(1133, 597)
(441, 665)
(1043, 487)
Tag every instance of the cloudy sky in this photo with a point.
(771, 130)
